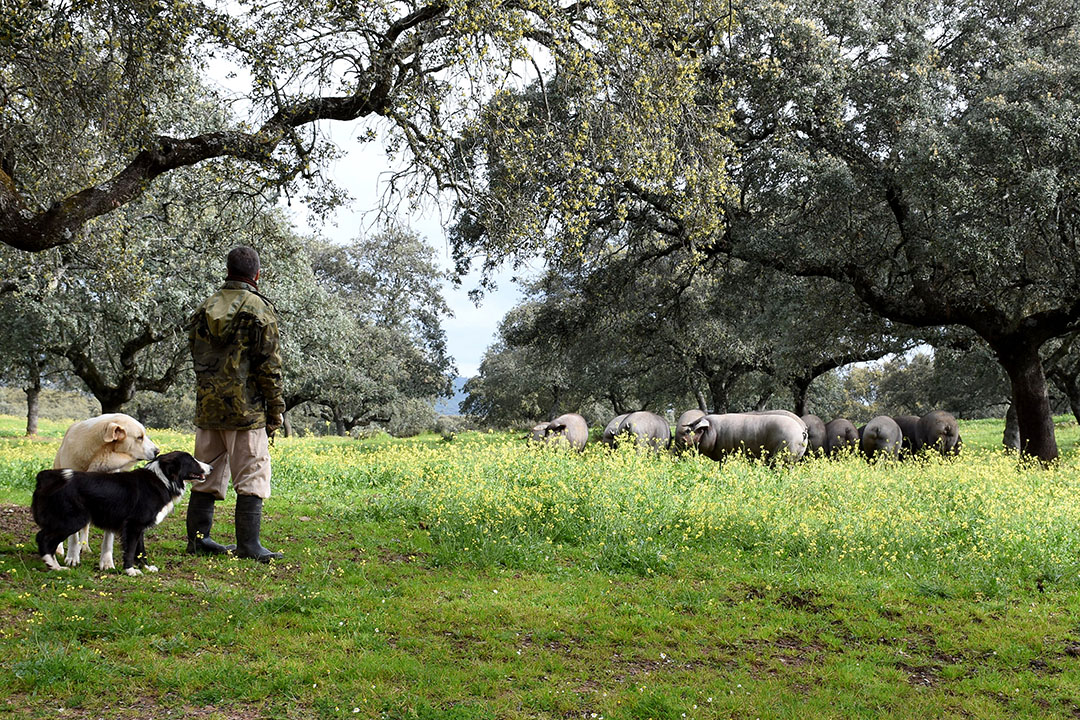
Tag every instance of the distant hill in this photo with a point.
(452, 406)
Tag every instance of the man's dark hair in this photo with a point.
(243, 262)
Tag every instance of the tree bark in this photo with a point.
(800, 388)
(286, 425)
(1011, 437)
(702, 403)
(556, 398)
(339, 421)
(114, 396)
(33, 393)
(1070, 388)
(718, 388)
(111, 404)
(617, 403)
(1020, 358)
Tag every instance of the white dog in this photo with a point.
(106, 443)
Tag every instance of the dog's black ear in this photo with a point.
(181, 463)
(167, 464)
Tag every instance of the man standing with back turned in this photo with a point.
(239, 404)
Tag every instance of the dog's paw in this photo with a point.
(150, 568)
(132, 572)
(72, 559)
(50, 563)
(106, 563)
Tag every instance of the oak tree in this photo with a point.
(82, 86)
(923, 154)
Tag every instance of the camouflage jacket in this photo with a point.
(234, 346)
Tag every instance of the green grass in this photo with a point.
(483, 579)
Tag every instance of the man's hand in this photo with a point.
(273, 422)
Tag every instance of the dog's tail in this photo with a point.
(48, 482)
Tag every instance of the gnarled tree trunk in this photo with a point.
(113, 395)
(339, 421)
(1020, 358)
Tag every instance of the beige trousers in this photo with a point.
(243, 454)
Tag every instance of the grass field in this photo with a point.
(484, 579)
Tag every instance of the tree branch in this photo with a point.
(60, 224)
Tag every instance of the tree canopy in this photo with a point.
(371, 335)
(80, 83)
(633, 335)
(923, 154)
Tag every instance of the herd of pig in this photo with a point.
(767, 434)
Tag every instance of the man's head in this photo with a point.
(243, 262)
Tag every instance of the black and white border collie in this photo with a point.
(126, 502)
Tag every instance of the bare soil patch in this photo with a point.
(17, 520)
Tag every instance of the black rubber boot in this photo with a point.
(248, 522)
(200, 517)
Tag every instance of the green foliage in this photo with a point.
(918, 155)
(411, 416)
(174, 409)
(84, 86)
(359, 330)
(969, 384)
(434, 73)
(558, 155)
(109, 315)
(908, 152)
(631, 332)
(374, 347)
